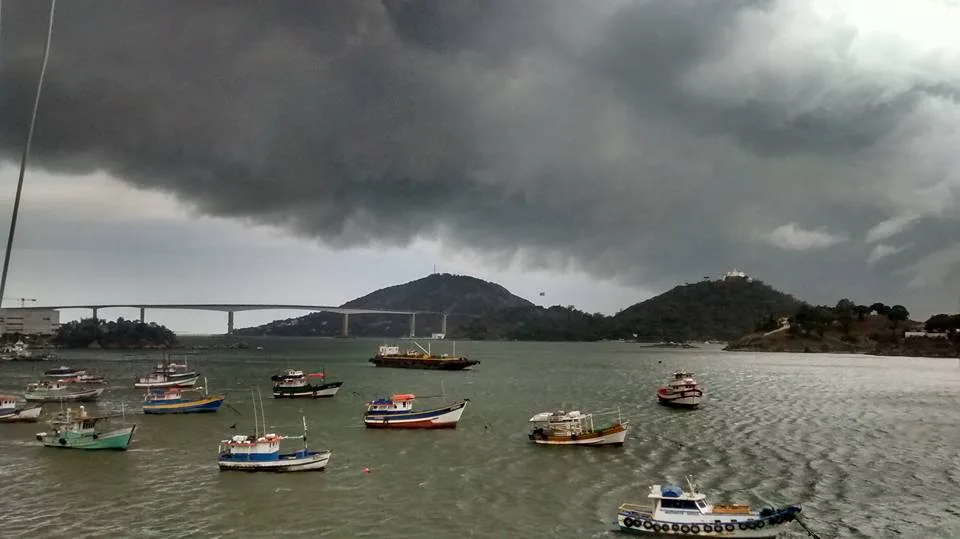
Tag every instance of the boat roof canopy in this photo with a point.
(558, 415)
(673, 492)
(399, 397)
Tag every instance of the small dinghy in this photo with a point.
(293, 383)
(10, 412)
(576, 428)
(676, 513)
(681, 392)
(397, 412)
(60, 392)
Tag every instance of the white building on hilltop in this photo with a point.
(27, 321)
(736, 274)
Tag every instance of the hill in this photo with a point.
(462, 297)
(876, 329)
(709, 310)
(535, 323)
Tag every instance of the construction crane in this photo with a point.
(23, 301)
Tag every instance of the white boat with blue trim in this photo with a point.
(397, 412)
(676, 513)
(261, 452)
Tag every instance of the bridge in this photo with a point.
(231, 308)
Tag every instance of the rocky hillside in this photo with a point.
(462, 297)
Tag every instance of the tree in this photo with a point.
(897, 314)
(880, 309)
(862, 312)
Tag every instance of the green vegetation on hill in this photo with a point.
(461, 296)
(708, 310)
(848, 327)
(534, 323)
(118, 334)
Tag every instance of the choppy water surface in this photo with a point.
(870, 446)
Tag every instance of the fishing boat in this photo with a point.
(59, 391)
(397, 412)
(171, 400)
(11, 412)
(261, 452)
(576, 428)
(168, 374)
(681, 392)
(688, 514)
(63, 372)
(293, 383)
(79, 431)
(391, 356)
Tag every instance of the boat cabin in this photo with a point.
(164, 394)
(46, 386)
(389, 351)
(79, 423)
(564, 423)
(242, 447)
(8, 402)
(683, 380)
(673, 500)
(402, 402)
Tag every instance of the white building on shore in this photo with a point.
(27, 321)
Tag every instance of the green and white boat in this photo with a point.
(79, 431)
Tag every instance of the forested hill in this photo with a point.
(461, 296)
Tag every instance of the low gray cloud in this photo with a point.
(650, 142)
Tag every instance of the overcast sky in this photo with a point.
(603, 151)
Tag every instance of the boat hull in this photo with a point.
(171, 382)
(457, 364)
(21, 415)
(76, 396)
(438, 418)
(205, 405)
(614, 435)
(117, 439)
(312, 461)
(307, 391)
(730, 525)
(685, 399)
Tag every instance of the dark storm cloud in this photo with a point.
(649, 141)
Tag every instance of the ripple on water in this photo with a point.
(869, 446)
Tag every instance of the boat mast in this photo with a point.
(256, 430)
(304, 418)
(263, 418)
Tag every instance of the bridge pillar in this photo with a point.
(443, 324)
(229, 322)
(95, 312)
(413, 324)
(345, 330)
(143, 315)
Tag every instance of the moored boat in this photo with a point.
(681, 392)
(688, 514)
(261, 452)
(11, 412)
(397, 412)
(171, 400)
(576, 428)
(63, 372)
(163, 379)
(84, 379)
(391, 356)
(79, 431)
(59, 391)
(294, 383)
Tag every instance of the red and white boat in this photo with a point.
(397, 413)
(681, 392)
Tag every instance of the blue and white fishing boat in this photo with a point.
(261, 452)
(172, 400)
(676, 513)
(397, 412)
